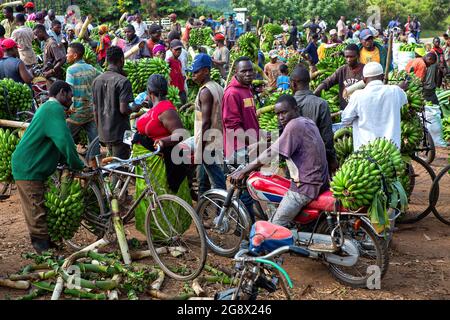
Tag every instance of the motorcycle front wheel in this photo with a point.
(373, 258)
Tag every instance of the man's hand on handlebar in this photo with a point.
(237, 176)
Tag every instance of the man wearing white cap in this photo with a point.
(375, 110)
(272, 69)
(334, 37)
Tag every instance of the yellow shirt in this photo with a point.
(321, 51)
(366, 56)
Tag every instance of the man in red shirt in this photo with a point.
(176, 72)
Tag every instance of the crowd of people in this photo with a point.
(83, 98)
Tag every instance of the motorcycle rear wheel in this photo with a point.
(373, 251)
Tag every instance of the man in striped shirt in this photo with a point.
(80, 76)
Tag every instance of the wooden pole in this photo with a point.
(85, 26)
(13, 124)
(389, 58)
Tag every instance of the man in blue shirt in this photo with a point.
(311, 50)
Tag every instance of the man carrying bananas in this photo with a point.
(47, 140)
(374, 111)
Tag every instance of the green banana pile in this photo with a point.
(173, 94)
(187, 117)
(14, 97)
(332, 97)
(358, 183)
(269, 31)
(446, 128)
(343, 144)
(248, 44)
(411, 134)
(65, 208)
(216, 76)
(8, 143)
(30, 24)
(138, 72)
(294, 60)
(409, 47)
(333, 51)
(201, 37)
(268, 121)
(325, 68)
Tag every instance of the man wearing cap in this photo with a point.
(208, 124)
(334, 37)
(9, 22)
(370, 50)
(176, 69)
(133, 40)
(374, 112)
(175, 26)
(24, 36)
(230, 32)
(272, 68)
(425, 68)
(140, 26)
(221, 55)
(29, 10)
(173, 35)
(155, 36)
(11, 66)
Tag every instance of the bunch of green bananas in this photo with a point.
(272, 99)
(187, 118)
(193, 89)
(332, 97)
(89, 55)
(201, 37)
(326, 67)
(173, 94)
(343, 148)
(216, 76)
(37, 47)
(30, 24)
(14, 97)
(138, 72)
(410, 47)
(65, 209)
(356, 182)
(294, 60)
(268, 121)
(412, 134)
(333, 51)
(269, 31)
(248, 44)
(446, 128)
(8, 143)
(386, 155)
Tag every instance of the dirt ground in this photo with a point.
(419, 265)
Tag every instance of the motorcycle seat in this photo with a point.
(324, 202)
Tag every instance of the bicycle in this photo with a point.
(165, 231)
(426, 150)
(254, 272)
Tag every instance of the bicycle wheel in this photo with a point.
(428, 152)
(94, 222)
(225, 239)
(176, 237)
(93, 145)
(440, 195)
(421, 178)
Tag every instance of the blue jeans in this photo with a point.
(248, 201)
(216, 177)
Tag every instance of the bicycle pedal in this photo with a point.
(322, 247)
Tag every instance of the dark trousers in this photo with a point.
(119, 150)
(32, 200)
(430, 95)
(214, 173)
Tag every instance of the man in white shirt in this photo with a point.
(375, 110)
(322, 24)
(341, 28)
(140, 26)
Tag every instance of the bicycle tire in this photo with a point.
(200, 244)
(217, 238)
(429, 154)
(89, 225)
(419, 195)
(90, 154)
(435, 195)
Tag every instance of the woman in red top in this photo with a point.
(162, 119)
(104, 44)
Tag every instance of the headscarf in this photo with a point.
(103, 29)
(158, 48)
(101, 45)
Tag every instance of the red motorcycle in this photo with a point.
(344, 240)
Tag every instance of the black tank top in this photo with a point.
(9, 68)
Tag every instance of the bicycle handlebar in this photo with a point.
(294, 249)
